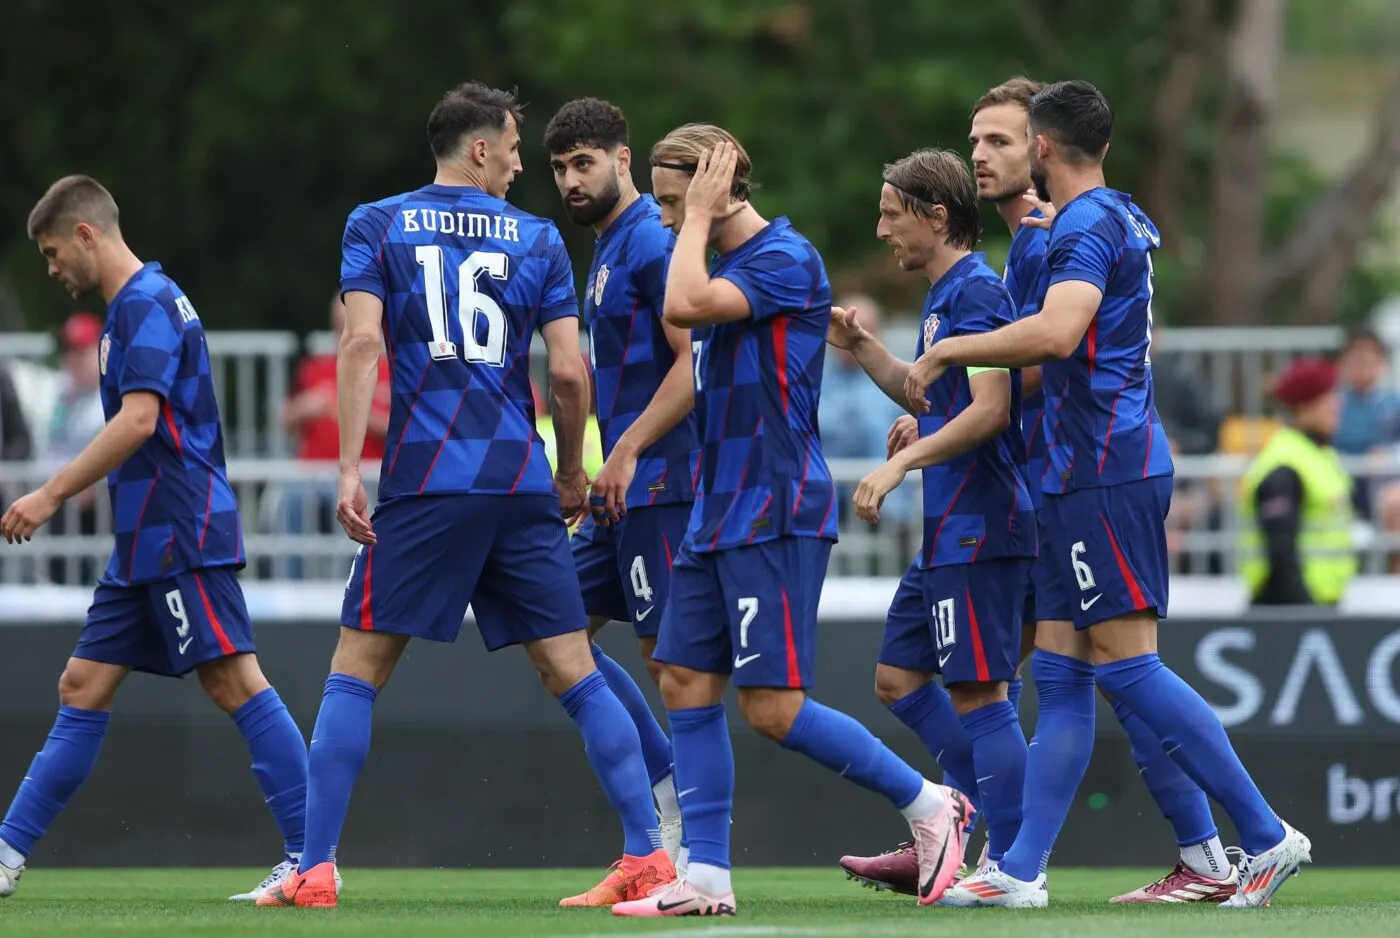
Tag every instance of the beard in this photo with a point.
(597, 207)
(1042, 189)
(1009, 192)
(80, 279)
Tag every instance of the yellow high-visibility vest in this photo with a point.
(1325, 548)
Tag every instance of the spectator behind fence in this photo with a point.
(16, 444)
(1295, 499)
(1370, 420)
(855, 416)
(310, 416)
(1192, 420)
(76, 418)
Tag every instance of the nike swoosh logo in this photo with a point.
(644, 613)
(185, 644)
(943, 659)
(740, 662)
(1084, 605)
(926, 888)
(668, 906)
(682, 794)
(985, 778)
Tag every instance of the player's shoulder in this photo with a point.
(782, 250)
(979, 286)
(1085, 212)
(379, 212)
(149, 286)
(646, 236)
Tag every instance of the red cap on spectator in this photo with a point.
(1305, 380)
(81, 330)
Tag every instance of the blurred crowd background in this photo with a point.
(1262, 136)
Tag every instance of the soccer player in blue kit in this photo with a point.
(1203, 873)
(1108, 487)
(957, 611)
(169, 601)
(642, 497)
(455, 281)
(746, 583)
(1064, 684)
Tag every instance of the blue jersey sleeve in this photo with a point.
(560, 299)
(361, 257)
(983, 306)
(1085, 245)
(773, 282)
(153, 343)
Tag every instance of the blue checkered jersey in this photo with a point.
(976, 506)
(631, 357)
(1026, 280)
(466, 280)
(757, 384)
(173, 508)
(1100, 415)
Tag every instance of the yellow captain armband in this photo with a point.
(977, 371)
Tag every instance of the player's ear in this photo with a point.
(624, 159)
(85, 234)
(477, 151)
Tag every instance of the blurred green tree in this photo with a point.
(237, 134)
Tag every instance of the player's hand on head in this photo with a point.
(903, 431)
(713, 181)
(1046, 209)
(844, 331)
(352, 510)
(608, 497)
(27, 515)
(922, 373)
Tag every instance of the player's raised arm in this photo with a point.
(693, 298)
(884, 368)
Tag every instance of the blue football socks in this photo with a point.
(929, 713)
(279, 763)
(612, 746)
(999, 755)
(58, 770)
(705, 779)
(339, 747)
(841, 744)
(1194, 737)
(1058, 758)
(1181, 801)
(656, 745)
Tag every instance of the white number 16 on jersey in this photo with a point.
(470, 304)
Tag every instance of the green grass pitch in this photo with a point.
(807, 902)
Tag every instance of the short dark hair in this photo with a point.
(585, 123)
(1019, 90)
(1364, 335)
(1075, 115)
(71, 200)
(926, 178)
(469, 107)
